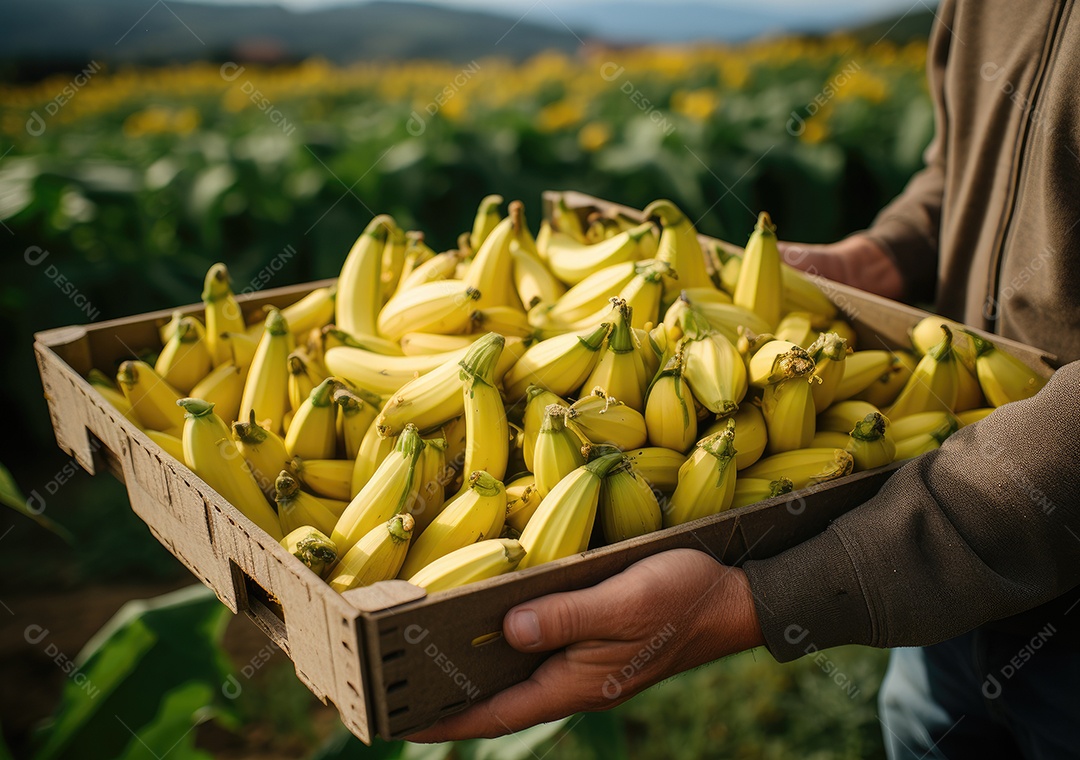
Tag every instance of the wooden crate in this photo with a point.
(389, 658)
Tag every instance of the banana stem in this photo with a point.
(285, 488)
(275, 323)
(870, 428)
(595, 339)
(250, 432)
(554, 419)
(765, 225)
(943, 350)
(216, 285)
(484, 483)
(401, 527)
(479, 363)
(602, 466)
(322, 394)
(780, 486)
(194, 408)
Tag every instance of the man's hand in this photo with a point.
(663, 615)
(857, 261)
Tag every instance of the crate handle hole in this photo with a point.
(487, 638)
(262, 606)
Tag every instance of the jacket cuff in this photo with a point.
(809, 598)
(913, 254)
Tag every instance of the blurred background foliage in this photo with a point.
(146, 176)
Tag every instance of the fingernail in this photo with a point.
(526, 627)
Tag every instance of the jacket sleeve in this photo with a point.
(983, 528)
(908, 228)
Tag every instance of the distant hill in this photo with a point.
(118, 31)
(43, 36)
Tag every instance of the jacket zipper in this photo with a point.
(990, 306)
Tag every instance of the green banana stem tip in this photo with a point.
(276, 324)
(595, 339)
(870, 428)
(945, 429)
(297, 365)
(322, 394)
(316, 550)
(603, 465)
(484, 483)
(482, 357)
(592, 451)
(249, 432)
(720, 444)
(793, 363)
(128, 374)
(694, 325)
(409, 442)
(380, 227)
(186, 331)
(554, 418)
(621, 339)
(195, 408)
(668, 213)
(285, 487)
(349, 402)
(765, 225)
(401, 526)
(780, 486)
(99, 378)
(829, 346)
(980, 344)
(943, 350)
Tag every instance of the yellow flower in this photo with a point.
(698, 105)
(594, 136)
(816, 131)
(559, 115)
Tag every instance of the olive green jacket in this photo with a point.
(987, 528)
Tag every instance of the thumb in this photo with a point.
(558, 620)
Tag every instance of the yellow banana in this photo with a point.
(778, 360)
(172, 445)
(921, 443)
(537, 400)
(933, 384)
(374, 448)
(760, 288)
(927, 333)
(355, 416)
(842, 416)
(474, 515)
(560, 364)
(152, 399)
(315, 310)
(417, 252)
(440, 306)
(788, 407)
(423, 344)
(224, 388)
(211, 454)
(522, 499)
(751, 431)
(440, 267)
(389, 491)
(845, 331)
(679, 247)
(713, 368)
(1002, 376)
(585, 299)
(491, 270)
(222, 312)
(752, 490)
(706, 480)
(557, 452)
(487, 217)
(971, 416)
(297, 509)
(313, 431)
(659, 466)
(393, 261)
(621, 369)
(263, 450)
(628, 505)
(871, 444)
(185, 359)
(563, 523)
(376, 556)
(454, 433)
(804, 467)
(359, 284)
(266, 387)
(600, 419)
(534, 282)
(240, 349)
(480, 561)
(969, 394)
(572, 262)
(829, 353)
(487, 433)
(801, 294)
(566, 221)
(302, 380)
(884, 389)
(726, 318)
(939, 422)
(432, 476)
(103, 385)
(508, 321)
(334, 338)
(669, 411)
(328, 478)
(828, 439)
(384, 375)
(797, 327)
(312, 547)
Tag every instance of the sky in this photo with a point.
(857, 7)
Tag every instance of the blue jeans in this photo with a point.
(983, 695)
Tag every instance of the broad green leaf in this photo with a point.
(12, 496)
(132, 667)
(523, 745)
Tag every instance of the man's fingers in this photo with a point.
(540, 699)
(557, 620)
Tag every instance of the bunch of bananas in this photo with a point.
(447, 417)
